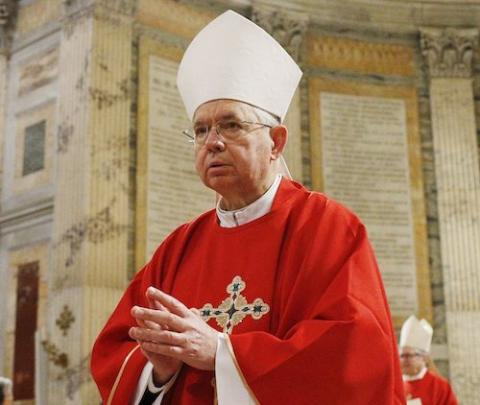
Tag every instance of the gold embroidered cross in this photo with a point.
(234, 308)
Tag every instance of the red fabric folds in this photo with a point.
(432, 389)
(327, 337)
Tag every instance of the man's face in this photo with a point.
(240, 167)
(411, 360)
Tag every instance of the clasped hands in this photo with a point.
(170, 334)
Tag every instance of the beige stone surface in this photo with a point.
(458, 179)
(35, 14)
(359, 56)
(38, 71)
(293, 151)
(173, 17)
(383, 17)
(409, 97)
(464, 354)
(169, 191)
(3, 102)
(91, 216)
(148, 47)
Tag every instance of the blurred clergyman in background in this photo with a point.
(422, 385)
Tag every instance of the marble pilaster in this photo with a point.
(91, 218)
(7, 21)
(448, 54)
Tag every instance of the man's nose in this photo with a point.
(213, 136)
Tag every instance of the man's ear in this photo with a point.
(279, 135)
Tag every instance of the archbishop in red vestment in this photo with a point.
(327, 337)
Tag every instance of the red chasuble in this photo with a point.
(432, 389)
(310, 324)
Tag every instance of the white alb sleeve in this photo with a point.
(146, 379)
(231, 390)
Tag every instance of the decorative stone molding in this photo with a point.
(126, 7)
(65, 320)
(288, 29)
(114, 11)
(448, 52)
(95, 229)
(7, 8)
(55, 356)
(75, 376)
(74, 6)
(8, 13)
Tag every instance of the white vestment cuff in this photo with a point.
(231, 389)
(146, 380)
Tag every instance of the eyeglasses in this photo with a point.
(410, 355)
(228, 130)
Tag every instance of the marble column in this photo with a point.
(288, 29)
(92, 216)
(7, 22)
(448, 54)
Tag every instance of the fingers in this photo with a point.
(154, 304)
(158, 337)
(195, 311)
(147, 324)
(170, 303)
(164, 350)
(164, 343)
(161, 318)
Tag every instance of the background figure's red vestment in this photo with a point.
(327, 338)
(432, 389)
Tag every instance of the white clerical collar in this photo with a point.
(415, 377)
(257, 209)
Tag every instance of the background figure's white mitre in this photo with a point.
(416, 334)
(233, 58)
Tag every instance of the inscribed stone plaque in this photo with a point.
(38, 72)
(173, 193)
(34, 148)
(366, 152)
(366, 167)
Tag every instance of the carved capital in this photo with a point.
(76, 9)
(126, 7)
(116, 11)
(288, 29)
(123, 7)
(6, 8)
(448, 52)
(8, 12)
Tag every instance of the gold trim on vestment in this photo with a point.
(119, 375)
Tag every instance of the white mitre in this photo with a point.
(416, 334)
(233, 58)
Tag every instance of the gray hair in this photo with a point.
(265, 117)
